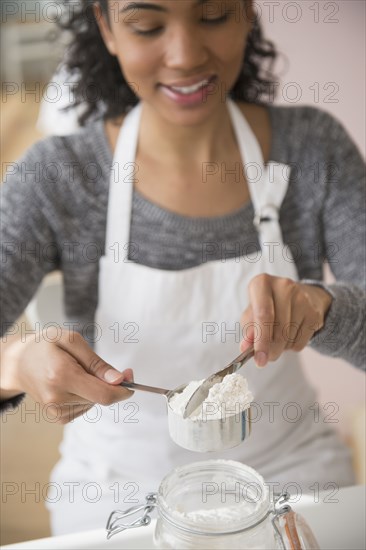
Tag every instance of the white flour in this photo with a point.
(229, 516)
(226, 398)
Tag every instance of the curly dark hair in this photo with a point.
(99, 79)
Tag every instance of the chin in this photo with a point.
(190, 116)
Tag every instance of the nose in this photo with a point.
(186, 50)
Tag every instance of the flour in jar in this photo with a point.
(229, 516)
(226, 398)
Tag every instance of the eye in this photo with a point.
(149, 32)
(216, 21)
(152, 32)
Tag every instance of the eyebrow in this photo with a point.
(146, 6)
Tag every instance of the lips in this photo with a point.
(191, 85)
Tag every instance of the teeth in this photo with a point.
(190, 89)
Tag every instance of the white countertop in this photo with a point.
(337, 520)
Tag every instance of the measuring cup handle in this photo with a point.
(143, 387)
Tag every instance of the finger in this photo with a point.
(246, 344)
(78, 348)
(283, 311)
(247, 329)
(126, 375)
(98, 391)
(261, 300)
(68, 381)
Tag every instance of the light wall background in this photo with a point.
(321, 53)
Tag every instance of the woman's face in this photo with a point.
(179, 56)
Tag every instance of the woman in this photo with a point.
(206, 209)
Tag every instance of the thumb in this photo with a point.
(99, 368)
(247, 330)
(244, 345)
(115, 377)
(92, 363)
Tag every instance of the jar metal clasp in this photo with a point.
(115, 521)
(281, 507)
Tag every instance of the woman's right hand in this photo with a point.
(63, 373)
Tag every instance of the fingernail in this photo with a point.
(260, 358)
(111, 376)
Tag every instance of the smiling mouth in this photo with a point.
(187, 90)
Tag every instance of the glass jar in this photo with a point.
(219, 504)
(214, 504)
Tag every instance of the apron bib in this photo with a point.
(172, 327)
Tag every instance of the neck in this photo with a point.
(185, 145)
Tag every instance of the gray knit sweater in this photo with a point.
(54, 206)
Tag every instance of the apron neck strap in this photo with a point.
(267, 184)
(124, 174)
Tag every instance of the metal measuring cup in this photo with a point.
(207, 434)
(204, 434)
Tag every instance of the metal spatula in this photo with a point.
(202, 391)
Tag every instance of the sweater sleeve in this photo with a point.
(28, 244)
(343, 245)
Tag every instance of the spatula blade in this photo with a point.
(200, 394)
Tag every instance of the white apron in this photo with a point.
(172, 327)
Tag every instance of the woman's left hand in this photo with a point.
(282, 315)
